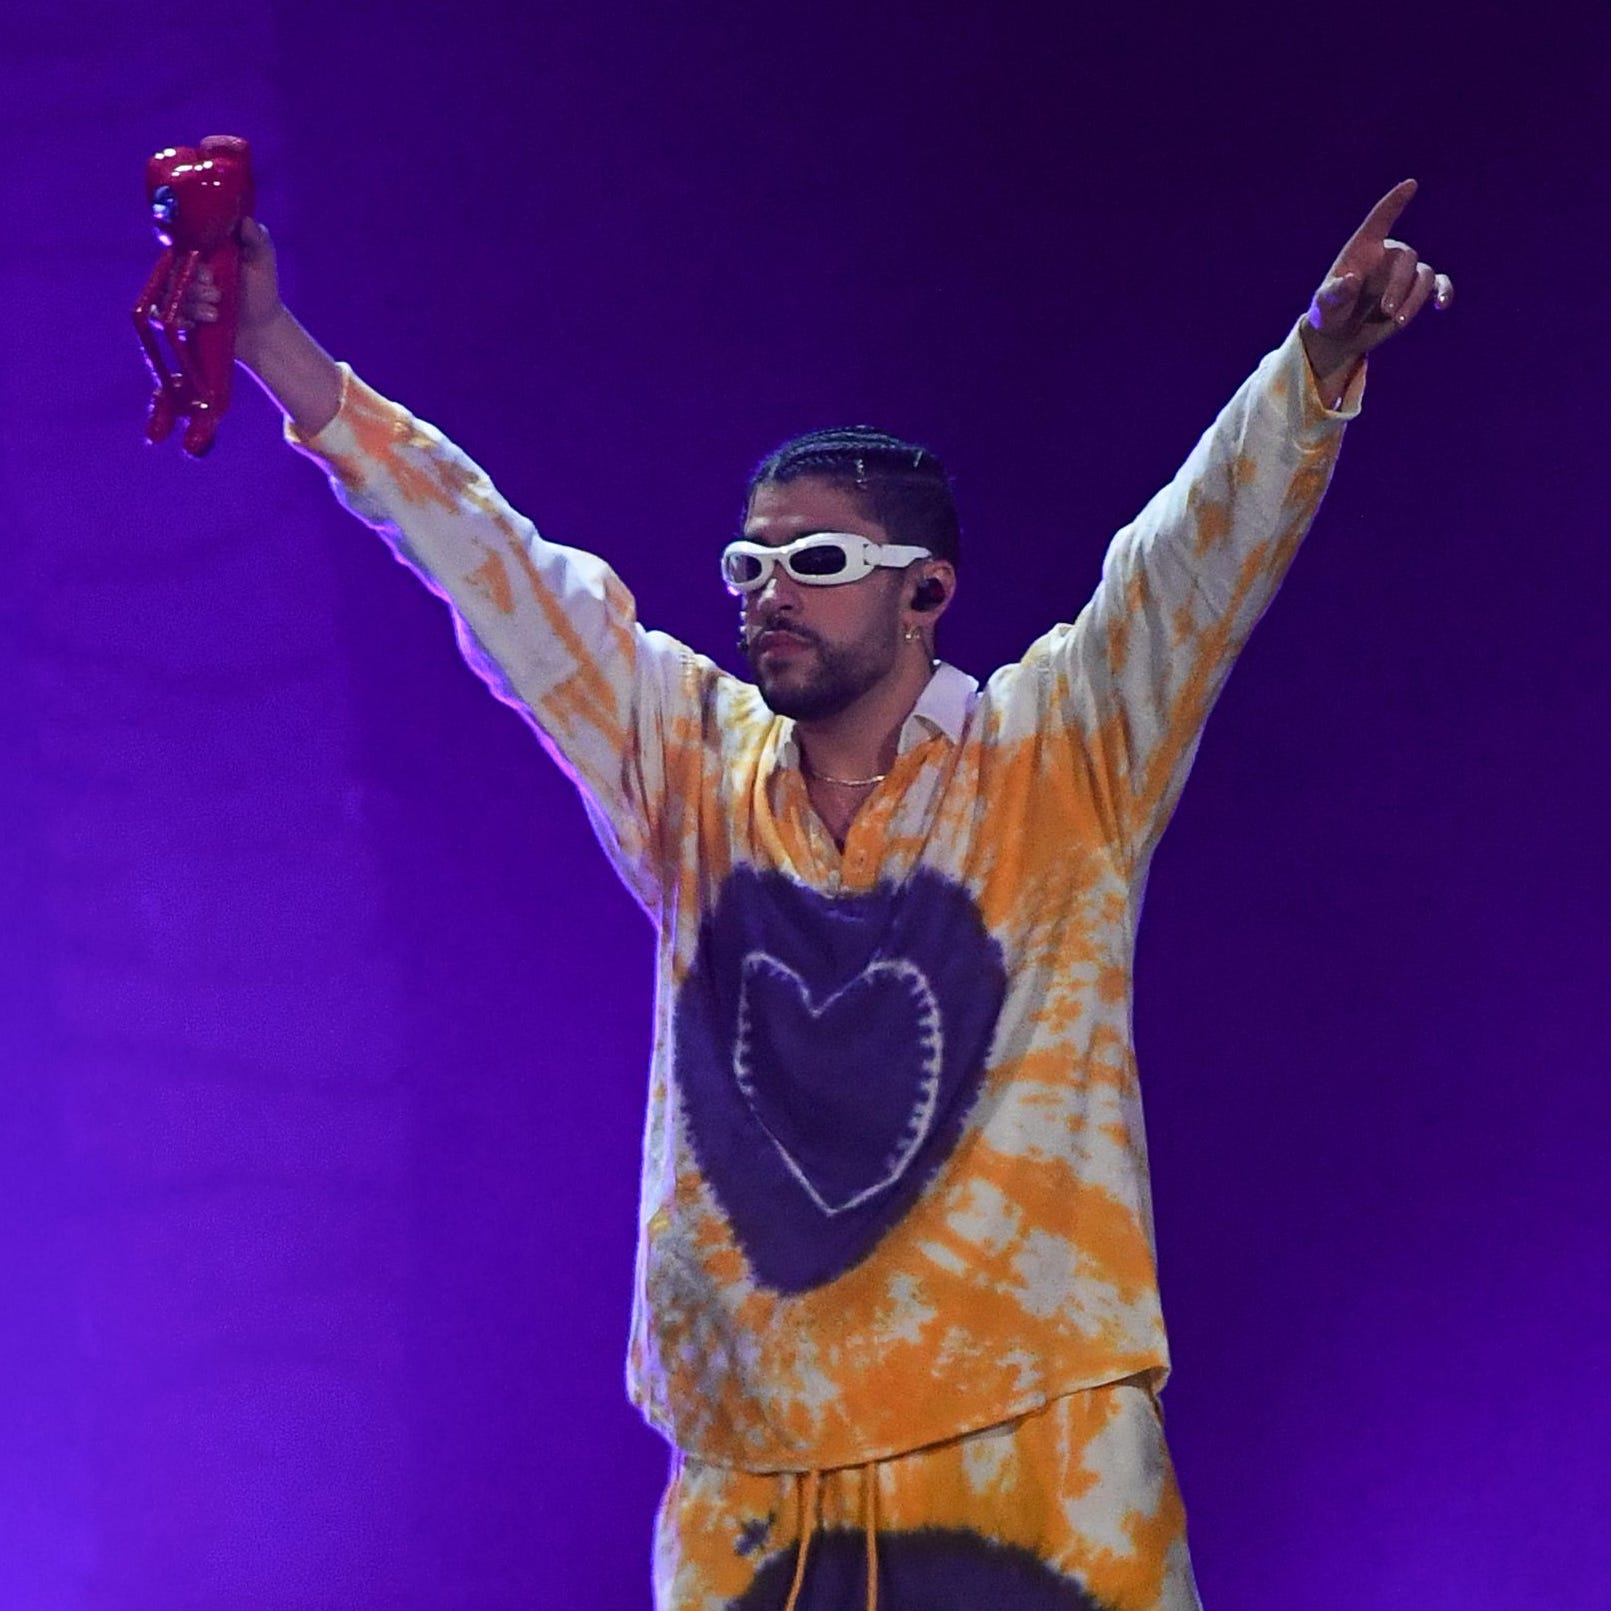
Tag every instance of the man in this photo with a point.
(896, 1305)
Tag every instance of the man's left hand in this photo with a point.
(1376, 286)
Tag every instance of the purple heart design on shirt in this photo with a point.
(810, 1073)
(829, 1048)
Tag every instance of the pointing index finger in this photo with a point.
(1381, 218)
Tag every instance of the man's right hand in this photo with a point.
(260, 303)
(284, 359)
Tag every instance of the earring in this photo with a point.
(911, 634)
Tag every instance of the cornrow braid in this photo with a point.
(901, 485)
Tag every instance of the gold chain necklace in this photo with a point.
(843, 783)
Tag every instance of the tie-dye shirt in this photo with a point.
(894, 1174)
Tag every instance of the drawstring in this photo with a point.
(808, 1492)
(806, 1525)
(869, 1521)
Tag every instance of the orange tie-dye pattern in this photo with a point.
(1057, 1486)
(491, 579)
(1024, 1271)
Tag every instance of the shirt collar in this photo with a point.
(942, 707)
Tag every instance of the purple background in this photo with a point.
(322, 1024)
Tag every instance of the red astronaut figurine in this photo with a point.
(198, 197)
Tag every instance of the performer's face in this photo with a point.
(817, 650)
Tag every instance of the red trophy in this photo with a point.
(198, 197)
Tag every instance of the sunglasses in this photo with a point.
(824, 559)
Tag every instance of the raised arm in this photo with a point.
(1124, 692)
(551, 630)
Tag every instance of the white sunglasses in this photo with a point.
(823, 559)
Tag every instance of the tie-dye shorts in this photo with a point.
(1072, 1508)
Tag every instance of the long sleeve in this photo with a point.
(550, 629)
(918, 1203)
(1124, 692)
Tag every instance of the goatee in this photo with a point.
(839, 679)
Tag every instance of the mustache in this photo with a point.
(748, 635)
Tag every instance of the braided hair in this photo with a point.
(903, 486)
